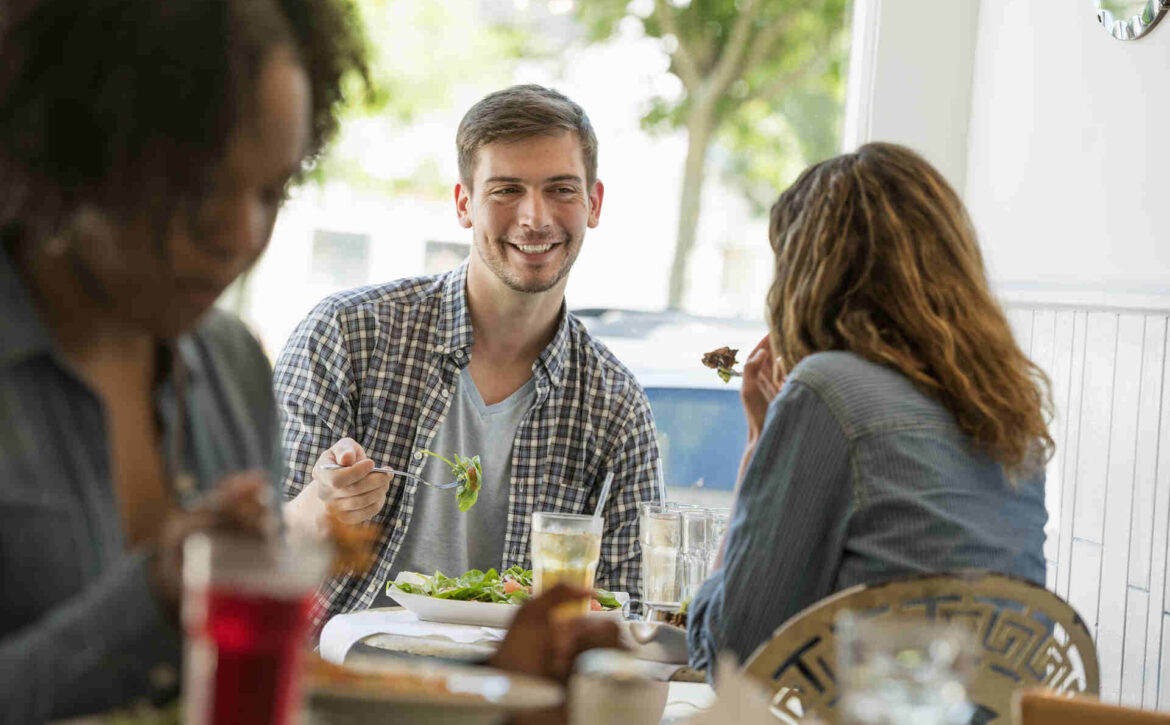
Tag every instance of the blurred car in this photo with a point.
(701, 427)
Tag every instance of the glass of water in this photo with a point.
(694, 549)
(660, 534)
(906, 671)
(720, 520)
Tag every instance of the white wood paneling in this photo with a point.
(1084, 581)
(1134, 661)
(1072, 329)
(1146, 455)
(1068, 458)
(1117, 500)
(1163, 672)
(1043, 354)
(1108, 484)
(1096, 412)
(1155, 641)
(1021, 322)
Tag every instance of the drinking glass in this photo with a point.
(246, 613)
(720, 520)
(565, 548)
(694, 549)
(903, 671)
(660, 534)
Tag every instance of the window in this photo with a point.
(442, 256)
(340, 259)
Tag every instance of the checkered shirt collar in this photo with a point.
(455, 332)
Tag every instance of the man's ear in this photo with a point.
(596, 195)
(462, 202)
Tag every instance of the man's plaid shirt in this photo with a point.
(379, 364)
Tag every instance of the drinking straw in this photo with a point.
(661, 482)
(604, 495)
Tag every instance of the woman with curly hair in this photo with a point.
(145, 148)
(894, 426)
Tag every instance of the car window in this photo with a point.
(702, 434)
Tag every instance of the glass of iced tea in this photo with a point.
(565, 548)
(246, 614)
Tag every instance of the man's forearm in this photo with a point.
(305, 514)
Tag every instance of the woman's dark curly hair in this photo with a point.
(128, 105)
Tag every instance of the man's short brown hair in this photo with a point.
(522, 112)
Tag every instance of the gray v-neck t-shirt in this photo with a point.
(440, 536)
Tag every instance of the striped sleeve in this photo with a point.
(315, 390)
(786, 535)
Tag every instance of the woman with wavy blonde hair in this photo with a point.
(894, 426)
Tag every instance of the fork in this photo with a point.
(392, 472)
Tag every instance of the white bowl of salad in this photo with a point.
(486, 599)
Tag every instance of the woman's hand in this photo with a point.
(240, 503)
(541, 644)
(761, 384)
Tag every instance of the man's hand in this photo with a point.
(352, 492)
(762, 379)
(241, 503)
(540, 645)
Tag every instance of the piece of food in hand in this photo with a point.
(469, 473)
(353, 546)
(723, 362)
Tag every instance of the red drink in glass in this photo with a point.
(247, 613)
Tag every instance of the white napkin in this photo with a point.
(345, 630)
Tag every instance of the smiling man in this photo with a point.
(484, 360)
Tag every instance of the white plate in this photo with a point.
(656, 641)
(437, 692)
(483, 614)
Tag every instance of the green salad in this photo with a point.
(513, 586)
(469, 473)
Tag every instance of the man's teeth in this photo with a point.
(534, 248)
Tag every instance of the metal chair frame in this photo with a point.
(1028, 637)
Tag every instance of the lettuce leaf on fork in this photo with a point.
(469, 473)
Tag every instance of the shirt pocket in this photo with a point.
(567, 489)
(40, 561)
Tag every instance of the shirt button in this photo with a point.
(372, 587)
(418, 454)
(440, 348)
(459, 353)
(445, 392)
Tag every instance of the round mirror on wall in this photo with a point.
(1130, 19)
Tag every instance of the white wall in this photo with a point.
(910, 78)
(1064, 166)
(1068, 175)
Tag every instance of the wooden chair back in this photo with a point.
(1041, 707)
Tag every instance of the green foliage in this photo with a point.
(421, 54)
(780, 107)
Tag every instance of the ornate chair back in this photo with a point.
(1027, 636)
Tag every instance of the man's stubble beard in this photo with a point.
(496, 262)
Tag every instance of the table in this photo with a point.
(688, 691)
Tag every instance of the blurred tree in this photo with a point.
(764, 78)
(422, 55)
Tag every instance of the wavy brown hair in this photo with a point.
(876, 255)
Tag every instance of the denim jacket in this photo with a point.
(80, 628)
(858, 476)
